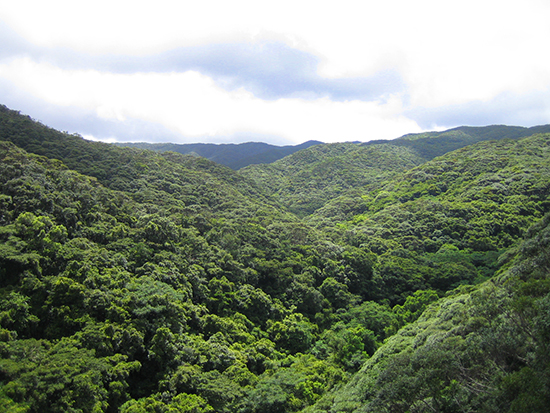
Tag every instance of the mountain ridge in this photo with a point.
(235, 156)
(433, 144)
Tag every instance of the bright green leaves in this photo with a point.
(482, 348)
(308, 180)
(60, 377)
(153, 303)
(349, 346)
(183, 288)
(16, 313)
(298, 383)
(414, 306)
(356, 336)
(182, 403)
(294, 333)
(337, 293)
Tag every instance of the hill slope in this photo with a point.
(466, 206)
(432, 144)
(163, 281)
(327, 177)
(308, 179)
(235, 156)
(480, 349)
(116, 167)
(129, 290)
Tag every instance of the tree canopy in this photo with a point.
(341, 278)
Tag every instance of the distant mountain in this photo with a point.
(235, 156)
(327, 179)
(427, 145)
(432, 144)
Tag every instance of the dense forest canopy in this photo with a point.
(432, 144)
(343, 277)
(235, 156)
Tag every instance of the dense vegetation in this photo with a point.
(236, 156)
(483, 348)
(307, 180)
(138, 281)
(432, 144)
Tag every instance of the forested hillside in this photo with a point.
(480, 349)
(432, 144)
(236, 156)
(138, 281)
(305, 181)
(449, 218)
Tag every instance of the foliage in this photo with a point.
(446, 222)
(305, 181)
(482, 348)
(235, 156)
(433, 144)
(138, 281)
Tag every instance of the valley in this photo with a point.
(392, 276)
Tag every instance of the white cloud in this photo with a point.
(194, 106)
(446, 53)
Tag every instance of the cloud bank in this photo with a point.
(281, 72)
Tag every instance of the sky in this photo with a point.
(281, 72)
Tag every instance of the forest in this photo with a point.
(380, 277)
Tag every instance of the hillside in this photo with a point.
(235, 156)
(466, 206)
(432, 144)
(159, 250)
(308, 179)
(481, 348)
(137, 281)
(426, 145)
(134, 291)
(328, 179)
(119, 168)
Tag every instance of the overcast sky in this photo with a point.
(281, 72)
